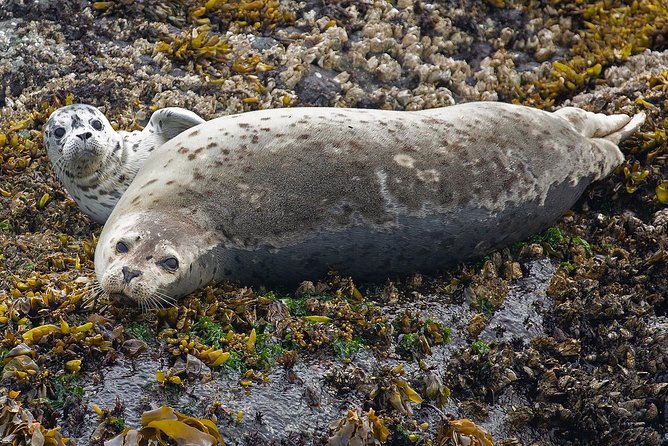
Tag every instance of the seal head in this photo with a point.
(95, 163)
(77, 139)
(150, 265)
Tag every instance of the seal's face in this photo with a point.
(151, 262)
(78, 138)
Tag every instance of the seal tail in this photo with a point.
(605, 133)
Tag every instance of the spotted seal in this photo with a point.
(94, 162)
(278, 196)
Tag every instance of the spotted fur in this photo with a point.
(278, 196)
(95, 163)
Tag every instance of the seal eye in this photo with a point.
(59, 132)
(121, 247)
(97, 124)
(170, 263)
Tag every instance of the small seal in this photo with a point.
(94, 162)
(279, 196)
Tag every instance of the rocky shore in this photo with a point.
(559, 340)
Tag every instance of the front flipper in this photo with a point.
(168, 122)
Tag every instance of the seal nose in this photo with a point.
(129, 275)
(84, 136)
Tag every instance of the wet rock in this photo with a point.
(134, 347)
(263, 43)
(318, 87)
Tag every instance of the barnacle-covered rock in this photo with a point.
(591, 375)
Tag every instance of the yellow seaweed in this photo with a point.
(34, 335)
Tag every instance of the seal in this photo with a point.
(95, 163)
(278, 196)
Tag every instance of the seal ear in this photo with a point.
(171, 121)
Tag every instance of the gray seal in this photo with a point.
(279, 196)
(94, 162)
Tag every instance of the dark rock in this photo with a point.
(318, 87)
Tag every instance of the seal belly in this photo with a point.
(426, 244)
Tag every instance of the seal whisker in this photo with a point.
(158, 302)
(168, 297)
(170, 302)
(164, 298)
(155, 303)
(59, 165)
(147, 302)
(94, 290)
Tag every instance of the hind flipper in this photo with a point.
(614, 128)
(628, 129)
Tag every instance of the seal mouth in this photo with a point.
(84, 154)
(120, 297)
